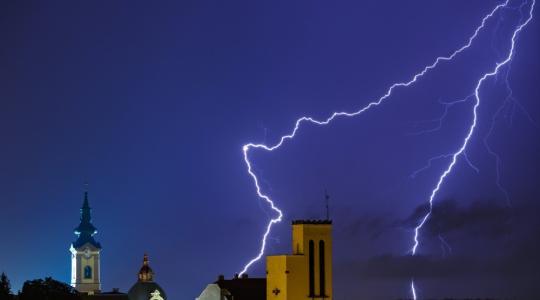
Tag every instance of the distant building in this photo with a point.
(145, 288)
(85, 254)
(243, 288)
(86, 264)
(115, 294)
(307, 273)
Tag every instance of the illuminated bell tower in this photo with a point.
(85, 254)
(307, 273)
(313, 239)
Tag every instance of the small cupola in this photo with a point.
(146, 274)
(146, 288)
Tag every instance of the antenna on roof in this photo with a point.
(327, 199)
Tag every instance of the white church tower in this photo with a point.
(85, 254)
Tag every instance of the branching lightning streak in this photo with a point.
(495, 155)
(469, 162)
(510, 103)
(461, 150)
(445, 246)
(447, 106)
(247, 147)
(428, 165)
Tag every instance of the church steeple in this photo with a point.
(86, 230)
(85, 253)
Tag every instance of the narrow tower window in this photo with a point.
(311, 268)
(321, 268)
(88, 272)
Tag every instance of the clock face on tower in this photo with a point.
(87, 253)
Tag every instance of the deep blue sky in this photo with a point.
(151, 103)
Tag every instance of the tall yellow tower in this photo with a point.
(307, 273)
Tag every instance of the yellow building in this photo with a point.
(307, 273)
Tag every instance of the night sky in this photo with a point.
(150, 103)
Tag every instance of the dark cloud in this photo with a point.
(390, 266)
(495, 241)
(372, 226)
(480, 218)
(432, 267)
(485, 218)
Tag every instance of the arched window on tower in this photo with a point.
(311, 258)
(322, 271)
(88, 272)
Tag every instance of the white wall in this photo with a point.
(211, 292)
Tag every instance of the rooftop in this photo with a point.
(314, 222)
(244, 288)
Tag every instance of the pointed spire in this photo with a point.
(86, 227)
(85, 203)
(86, 230)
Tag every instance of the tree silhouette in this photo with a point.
(5, 288)
(47, 289)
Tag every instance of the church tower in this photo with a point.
(307, 273)
(85, 254)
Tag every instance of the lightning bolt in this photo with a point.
(467, 138)
(447, 106)
(510, 103)
(306, 119)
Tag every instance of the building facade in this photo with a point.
(85, 254)
(307, 273)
